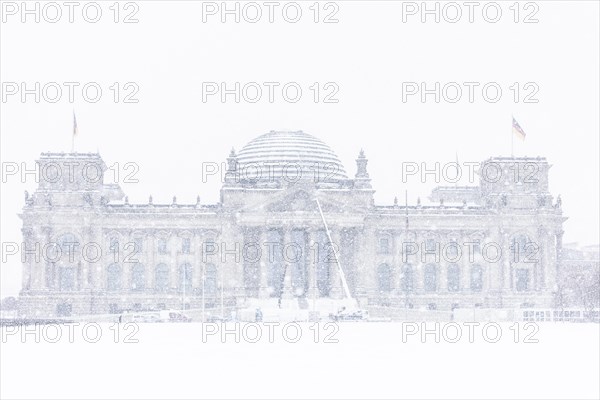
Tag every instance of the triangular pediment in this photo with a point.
(300, 200)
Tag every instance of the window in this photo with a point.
(161, 278)
(210, 280)
(113, 282)
(430, 245)
(430, 278)
(63, 310)
(384, 273)
(452, 251)
(137, 243)
(138, 277)
(476, 246)
(519, 248)
(185, 277)
(67, 279)
(406, 279)
(114, 245)
(186, 244)
(209, 247)
(476, 278)
(453, 278)
(162, 246)
(68, 245)
(522, 279)
(384, 245)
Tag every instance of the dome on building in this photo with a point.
(291, 156)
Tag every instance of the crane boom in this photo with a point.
(337, 261)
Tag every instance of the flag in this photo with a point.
(517, 130)
(74, 124)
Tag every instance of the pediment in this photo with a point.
(300, 200)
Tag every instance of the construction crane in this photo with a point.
(345, 287)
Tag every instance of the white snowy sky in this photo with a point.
(369, 53)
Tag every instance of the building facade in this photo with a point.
(86, 250)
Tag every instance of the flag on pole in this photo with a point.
(74, 124)
(75, 131)
(517, 130)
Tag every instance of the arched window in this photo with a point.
(138, 277)
(406, 279)
(67, 279)
(430, 278)
(210, 280)
(384, 274)
(161, 278)
(453, 278)
(185, 277)
(114, 278)
(476, 278)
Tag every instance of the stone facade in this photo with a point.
(87, 250)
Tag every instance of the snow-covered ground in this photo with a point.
(350, 360)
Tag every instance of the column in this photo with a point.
(263, 291)
(443, 276)
(334, 268)
(173, 266)
(150, 261)
(505, 263)
(35, 272)
(82, 271)
(311, 263)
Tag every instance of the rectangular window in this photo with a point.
(114, 245)
(451, 251)
(476, 278)
(137, 242)
(522, 276)
(430, 245)
(476, 247)
(186, 244)
(162, 246)
(64, 309)
(384, 246)
(67, 279)
(430, 279)
(453, 278)
(406, 280)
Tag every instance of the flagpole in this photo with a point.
(512, 141)
(74, 133)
